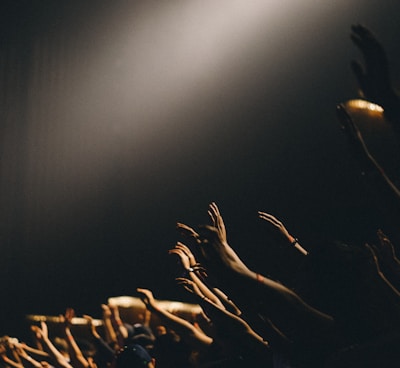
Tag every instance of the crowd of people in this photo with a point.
(347, 314)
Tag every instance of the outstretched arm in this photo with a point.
(282, 229)
(105, 354)
(30, 362)
(8, 361)
(42, 333)
(229, 305)
(369, 165)
(120, 327)
(286, 310)
(192, 335)
(188, 262)
(110, 333)
(75, 353)
(230, 328)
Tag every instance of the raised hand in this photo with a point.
(185, 255)
(217, 220)
(387, 248)
(91, 325)
(282, 229)
(66, 319)
(147, 298)
(42, 331)
(187, 230)
(373, 78)
(217, 251)
(277, 224)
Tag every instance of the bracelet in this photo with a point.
(294, 241)
(190, 269)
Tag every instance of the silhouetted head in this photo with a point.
(134, 356)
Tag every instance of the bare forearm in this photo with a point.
(204, 289)
(281, 305)
(188, 332)
(53, 352)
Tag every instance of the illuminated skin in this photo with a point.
(234, 327)
(108, 326)
(188, 261)
(285, 308)
(217, 220)
(193, 336)
(42, 333)
(76, 357)
(123, 331)
(282, 229)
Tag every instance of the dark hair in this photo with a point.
(133, 356)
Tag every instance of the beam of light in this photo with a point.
(135, 77)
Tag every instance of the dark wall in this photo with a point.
(94, 175)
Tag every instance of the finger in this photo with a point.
(374, 255)
(188, 289)
(212, 217)
(179, 253)
(215, 209)
(187, 230)
(270, 218)
(184, 248)
(375, 249)
(182, 279)
(382, 235)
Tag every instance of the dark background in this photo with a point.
(119, 118)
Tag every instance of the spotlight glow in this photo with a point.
(136, 76)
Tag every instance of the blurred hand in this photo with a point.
(217, 220)
(147, 298)
(373, 78)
